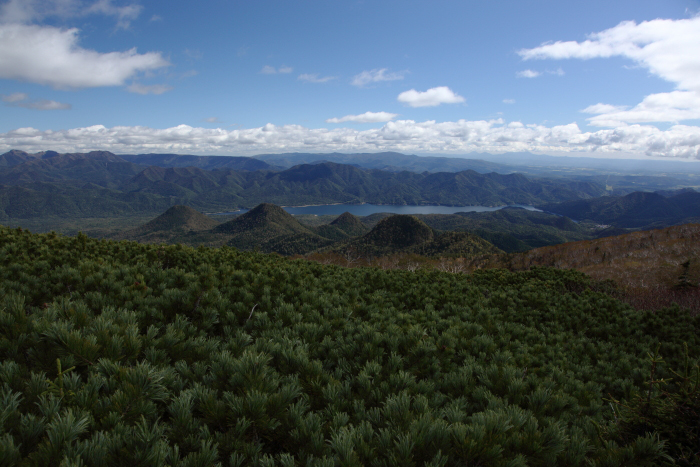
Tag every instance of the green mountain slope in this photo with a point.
(46, 200)
(98, 167)
(391, 161)
(530, 229)
(270, 228)
(344, 226)
(408, 234)
(635, 210)
(201, 162)
(172, 226)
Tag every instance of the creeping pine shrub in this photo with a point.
(115, 353)
(667, 408)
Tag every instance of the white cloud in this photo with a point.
(375, 76)
(157, 89)
(24, 11)
(603, 108)
(27, 11)
(367, 117)
(509, 101)
(528, 74)
(212, 120)
(666, 48)
(15, 97)
(52, 56)
(270, 70)
(194, 54)
(558, 72)
(124, 14)
(155, 18)
(458, 137)
(20, 99)
(673, 107)
(46, 105)
(430, 98)
(313, 78)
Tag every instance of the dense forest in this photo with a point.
(102, 184)
(119, 353)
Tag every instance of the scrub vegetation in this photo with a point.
(119, 353)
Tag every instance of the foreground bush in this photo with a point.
(128, 354)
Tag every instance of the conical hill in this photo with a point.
(350, 224)
(268, 218)
(174, 225)
(399, 232)
(268, 227)
(180, 218)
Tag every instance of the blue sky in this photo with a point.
(597, 78)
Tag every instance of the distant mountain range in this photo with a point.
(636, 210)
(389, 161)
(101, 184)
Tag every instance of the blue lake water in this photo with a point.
(367, 209)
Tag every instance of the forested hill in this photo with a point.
(635, 210)
(80, 178)
(118, 353)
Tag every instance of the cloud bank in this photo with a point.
(680, 141)
(367, 117)
(666, 48)
(430, 98)
(51, 56)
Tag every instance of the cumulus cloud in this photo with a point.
(270, 70)
(138, 88)
(430, 98)
(20, 99)
(52, 56)
(673, 106)
(528, 74)
(376, 76)
(666, 48)
(457, 137)
(313, 78)
(367, 117)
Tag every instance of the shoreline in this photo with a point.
(487, 208)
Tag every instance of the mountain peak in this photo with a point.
(265, 216)
(399, 231)
(350, 224)
(181, 218)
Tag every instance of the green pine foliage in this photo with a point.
(118, 353)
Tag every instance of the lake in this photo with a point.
(367, 209)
